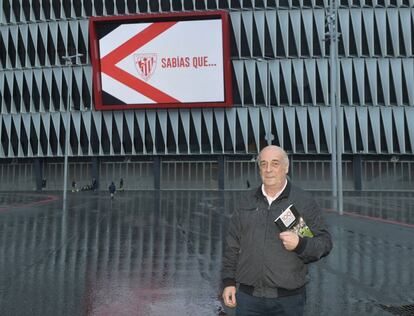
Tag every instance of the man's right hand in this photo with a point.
(229, 296)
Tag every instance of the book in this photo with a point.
(290, 219)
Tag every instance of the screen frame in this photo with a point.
(145, 18)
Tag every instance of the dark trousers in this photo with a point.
(248, 305)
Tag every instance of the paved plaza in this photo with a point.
(158, 253)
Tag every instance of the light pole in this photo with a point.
(336, 119)
(339, 121)
(269, 136)
(69, 62)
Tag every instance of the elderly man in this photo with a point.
(269, 265)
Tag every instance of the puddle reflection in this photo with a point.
(394, 206)
(159, 253)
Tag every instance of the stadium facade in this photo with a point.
(280, 69)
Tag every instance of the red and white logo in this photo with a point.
(288, 215)
(145, 64)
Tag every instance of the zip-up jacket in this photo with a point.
(254, 254)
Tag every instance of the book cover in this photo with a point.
(290, 219)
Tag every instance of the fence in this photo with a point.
(369, 174)
(136, 175)
(17, 177)
(194, 175)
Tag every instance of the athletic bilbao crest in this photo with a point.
(145, 64)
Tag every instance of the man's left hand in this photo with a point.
(289, 239)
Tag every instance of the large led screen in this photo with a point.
(158, 61)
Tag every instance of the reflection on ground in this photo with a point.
(158, 253)
(391, 206)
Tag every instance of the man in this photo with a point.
(269, 265)
(94, 184)
(112, 189)
(74, 187)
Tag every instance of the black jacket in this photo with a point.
(253, 253)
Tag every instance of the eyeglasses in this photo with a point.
(273, 164)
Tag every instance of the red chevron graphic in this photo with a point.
(108, 63)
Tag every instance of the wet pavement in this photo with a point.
(158, 253)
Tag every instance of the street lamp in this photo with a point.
(336, 121)
(69, 62)
(269, 136)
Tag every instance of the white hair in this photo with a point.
(285, 157)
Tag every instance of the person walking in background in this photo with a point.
(269, 265)
(112, 189)
(121, 184)
(74, 187)
(94, 184)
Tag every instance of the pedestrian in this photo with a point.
(112, 189)
(94, 184)
(74, 187)
(121, 184)
(269, 265)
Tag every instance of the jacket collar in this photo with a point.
(285, 193)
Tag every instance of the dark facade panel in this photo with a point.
(280, 66)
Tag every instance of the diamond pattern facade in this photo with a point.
(280, 60)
